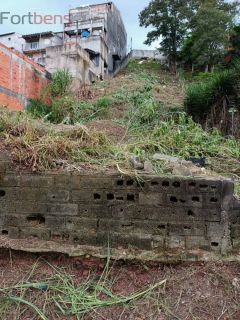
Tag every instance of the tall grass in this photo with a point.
(38, 146)
(61, 82)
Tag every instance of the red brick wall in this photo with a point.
(20, 79)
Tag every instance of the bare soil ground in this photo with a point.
(192, 291)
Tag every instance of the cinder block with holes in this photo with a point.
(36, 181)
(214, 229)
(187, 229)
(150, 199)
(77, 223)
(197, 242)
(127, 241)
(9, 180)
(55, 222)
(62, 209)
(168, 215)
(58, 196)
(34, 233)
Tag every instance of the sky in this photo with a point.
(129, 9)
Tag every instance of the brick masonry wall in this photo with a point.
(20, 79)
(161, 215)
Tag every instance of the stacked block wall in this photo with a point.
(158, 214)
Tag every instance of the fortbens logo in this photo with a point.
(32, 18)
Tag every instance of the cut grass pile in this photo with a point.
(64, 296)
(38, 146)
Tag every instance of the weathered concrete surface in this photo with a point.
(107, 34)
(152, 218)
(73, 58)
(148, 54)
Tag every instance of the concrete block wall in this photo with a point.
(20, 79)
(161, 215)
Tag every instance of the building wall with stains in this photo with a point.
(20, 79)
(73, 58)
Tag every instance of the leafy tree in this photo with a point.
(170, 20)
(234, 37)
(209, 36)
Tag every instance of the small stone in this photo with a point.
(148, 167)
(136, 163)
(179, 170)
(164, 157)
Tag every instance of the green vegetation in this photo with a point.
(192, 32)
(61, 82)
(210, 102)
(148, 125)
(62, 295)
(64, 107)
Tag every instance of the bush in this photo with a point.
(61, 81)
(209, 102)
(37, 109)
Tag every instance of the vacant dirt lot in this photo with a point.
(192, 291)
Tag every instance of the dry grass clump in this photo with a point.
(33, 144)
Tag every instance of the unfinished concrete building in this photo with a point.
(37, 43)
(13, 40)
(73, 58)
(100, 30)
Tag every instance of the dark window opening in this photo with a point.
(187, 228)
(120, 182)
(5, 232)
(214, 200)
(162, 227)
(130, 197)
(97, 196)
(191, 213)
(195, 199)
(173, 199)
(154, 183)
(214, 244)
(110, 196)
(2, 193)
(165, 184)
(38, 219)
(192, 184)
(203, 186)
(176, 184)
(130, 183)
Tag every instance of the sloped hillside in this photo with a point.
(117, 125)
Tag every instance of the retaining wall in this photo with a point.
(20, 79)
(157, 218)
